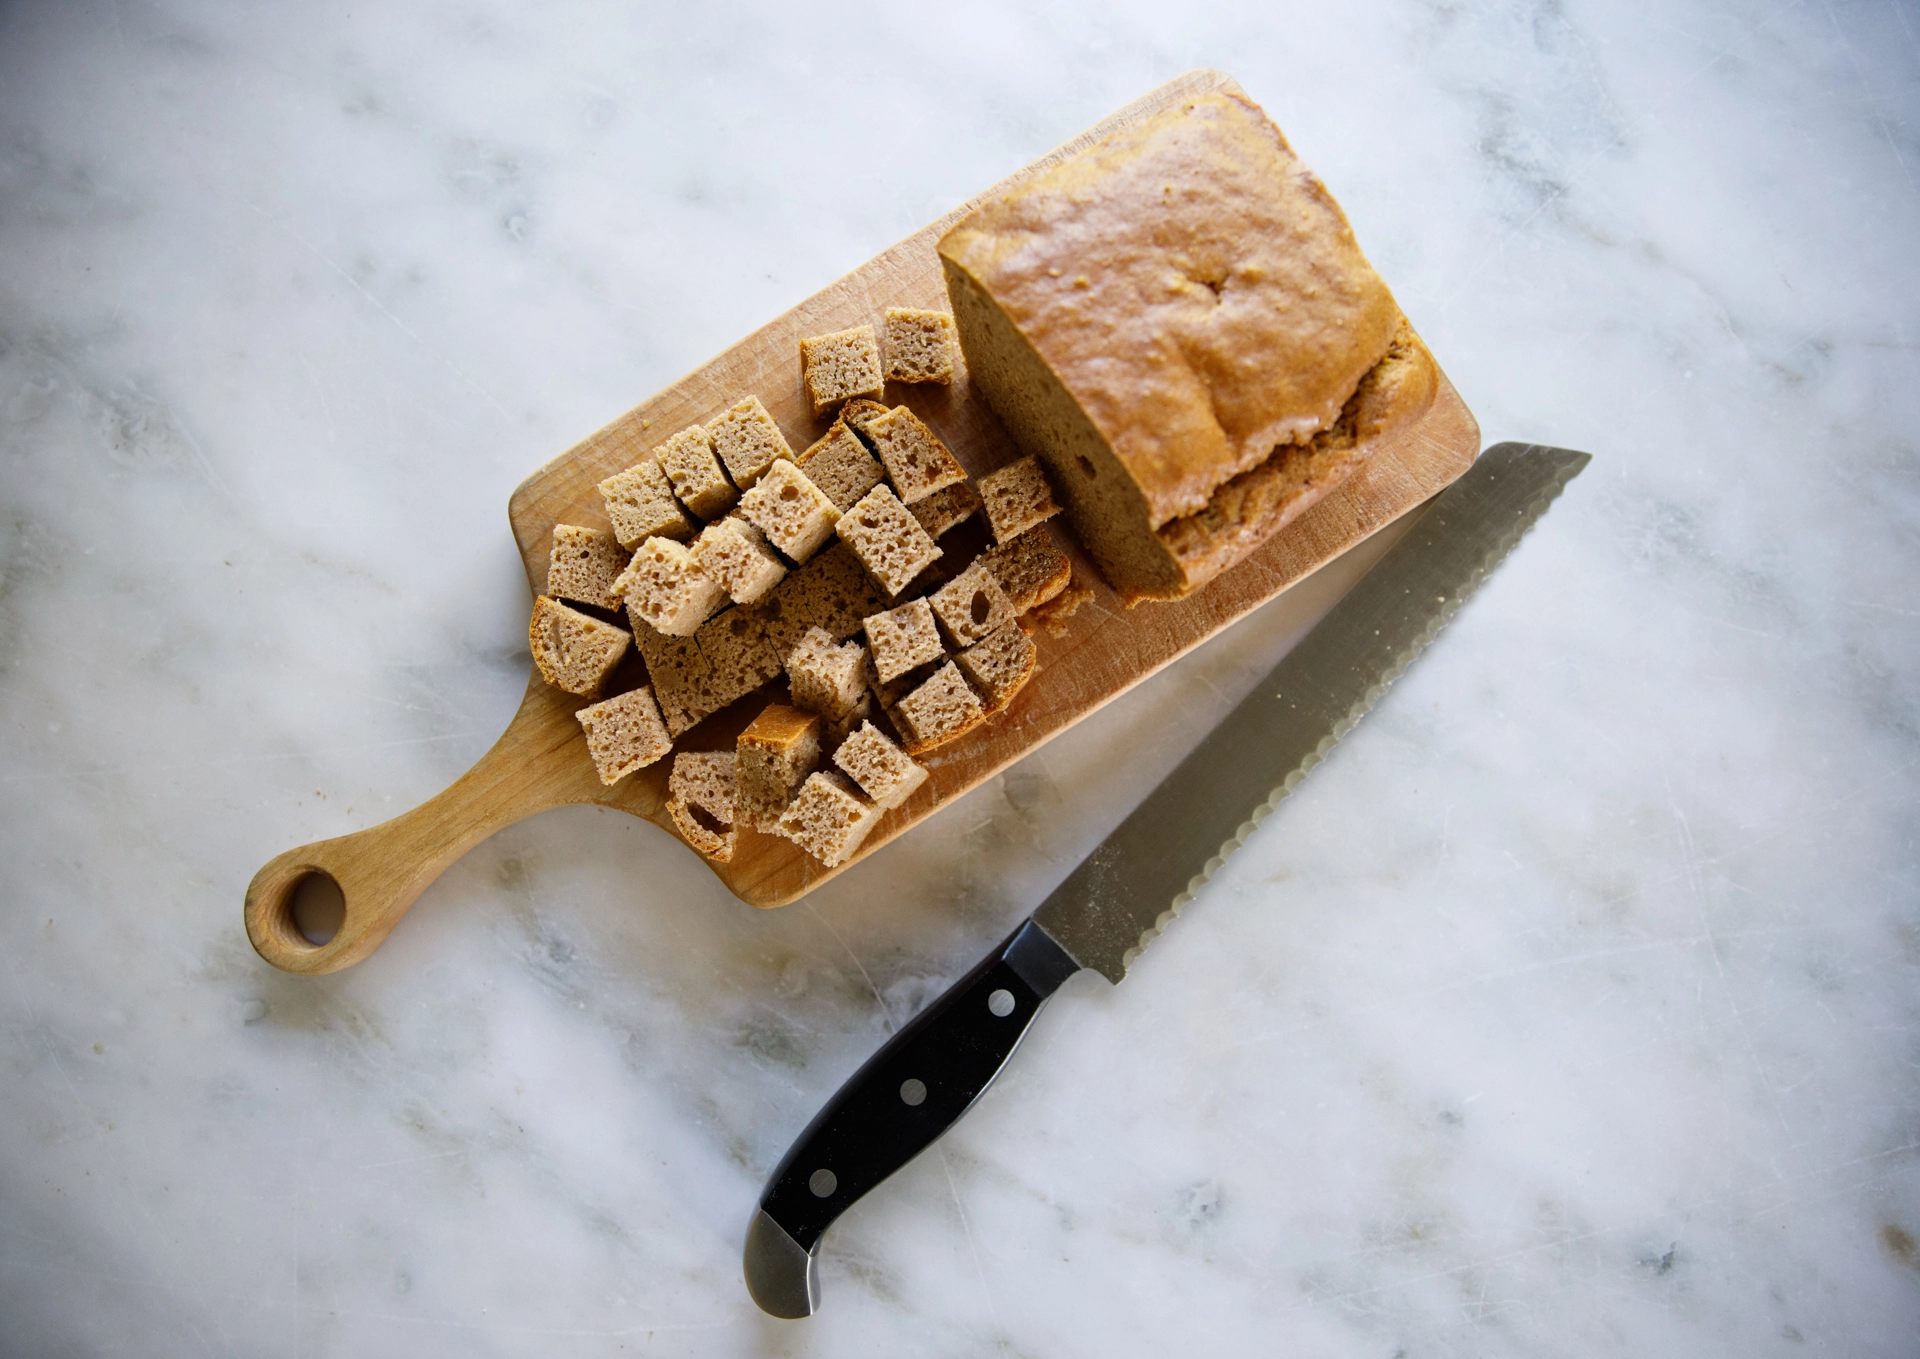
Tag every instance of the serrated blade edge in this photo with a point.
(1123, 895)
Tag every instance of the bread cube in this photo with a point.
(681, 676)
(903, 638)
(834, 730)
(999, 665)
(583, 565)
(971, 605)
(889, 542)
(832, 592)
(790, 510)
(738, 655)
(1031, 569)
(884, 772)
(946, 507)
(700, 799)
(624, 733)
(890, 692)
(826, 677)
(747, 441)
(772, 758)
(939, 711)
(828, 819)
(573, 651)
(839, 367)
(860, 413)
(698, 480)
(839, 464)
(919, 346)
(735, 553)
(917, 462)
(1017, 497)
(640, 505)
(665, 585)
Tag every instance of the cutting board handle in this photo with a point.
(537, 763)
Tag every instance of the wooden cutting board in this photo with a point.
(1088, 659)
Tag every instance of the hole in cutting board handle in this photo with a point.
(316, 907)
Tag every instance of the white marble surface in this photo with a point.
(1570, 1009)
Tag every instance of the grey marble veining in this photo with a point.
(1569, 1009)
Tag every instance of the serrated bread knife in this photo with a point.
(1125, 892)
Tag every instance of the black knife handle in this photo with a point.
(916, 1087)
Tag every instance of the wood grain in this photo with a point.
(1101, 651)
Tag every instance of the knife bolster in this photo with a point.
(1038, 958)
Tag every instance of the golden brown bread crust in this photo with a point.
(1258, 503)
(1193, 287)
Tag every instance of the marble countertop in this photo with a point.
(1570, 1008)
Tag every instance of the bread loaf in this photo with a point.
(1172, 320)
(738, 653)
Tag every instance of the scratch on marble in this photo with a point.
(1728, 623)
(1412, 997)
(170, 766)
(382, 308)
(330, 1311)
(1883, 608)
(1696, 891)
(784, 1016)
(973, 1247)
(886, 1015)
(319, 389)
(1576, 175)
(1879, 124)
(123, 1206)
(411, 1160)
(33, 1021)
(1797, 1202)
(1484, 1262)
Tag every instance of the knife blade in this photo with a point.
(1123, 894)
